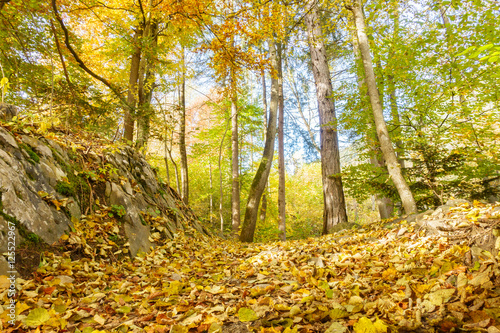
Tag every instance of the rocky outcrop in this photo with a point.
(45, 186)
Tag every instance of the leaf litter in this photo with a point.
(383, 277)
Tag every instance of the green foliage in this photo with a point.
(34, 238)
(34, 158)
(65, 188)
(117, 210)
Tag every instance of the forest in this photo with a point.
(290, 130)
(298, 116)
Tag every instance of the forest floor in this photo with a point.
(383, 277)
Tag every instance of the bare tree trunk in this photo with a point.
(211, 199)
(260, 180)
(132, 87)
(182, 134)
(263, 207)
(371, 135)
(333, 193)
(176, 170)
(235, 171)
(220, 181)
(391, 161)
(146, 85)
(281, 149)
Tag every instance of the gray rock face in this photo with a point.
(8, 111)
(31, 168)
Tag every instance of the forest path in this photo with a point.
(384, 277)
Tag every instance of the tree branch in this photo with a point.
(80, 62)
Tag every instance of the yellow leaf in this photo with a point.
(100, 320)
(281, 307)
(123, 309)
(21, 307)
(295, 310)
(380, 326)
(440, 296)
(246, 314)
(215, 328)
(37, 317)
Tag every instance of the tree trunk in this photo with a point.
(235, 170)
(146, 85)
(281, 149)
(333, 194)
(371, 135)
(182, 134)
(391, 161)
(260, 180)
(132, 87)
(263, 207)
(221, 194)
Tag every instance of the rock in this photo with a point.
(21, 202)
(42, 164)
(37, 146)
(137, 233)
(74, 208)
(456, 202)
(8, 111)
(7, 138)
(441, 210)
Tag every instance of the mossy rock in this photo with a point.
(65, 188)
(34, 158)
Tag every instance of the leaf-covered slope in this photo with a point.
(382, 278)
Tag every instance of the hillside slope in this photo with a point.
(50, 184)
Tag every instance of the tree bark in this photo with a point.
(146, 85)
(235, 172)
(333, 193)
(263, 207)
(391, 161)
(135, 62)
(260, 180)
(221, 191)
(281, 149)
(182, 134)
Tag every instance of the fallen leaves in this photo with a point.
(373, 281)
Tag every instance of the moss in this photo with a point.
(65, 188)
(34, 158)
(76, 184)
(142, 220)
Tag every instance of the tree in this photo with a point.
(182, 131)
(281, 147)
(260, 180)
(333, 194)
(391, 161)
